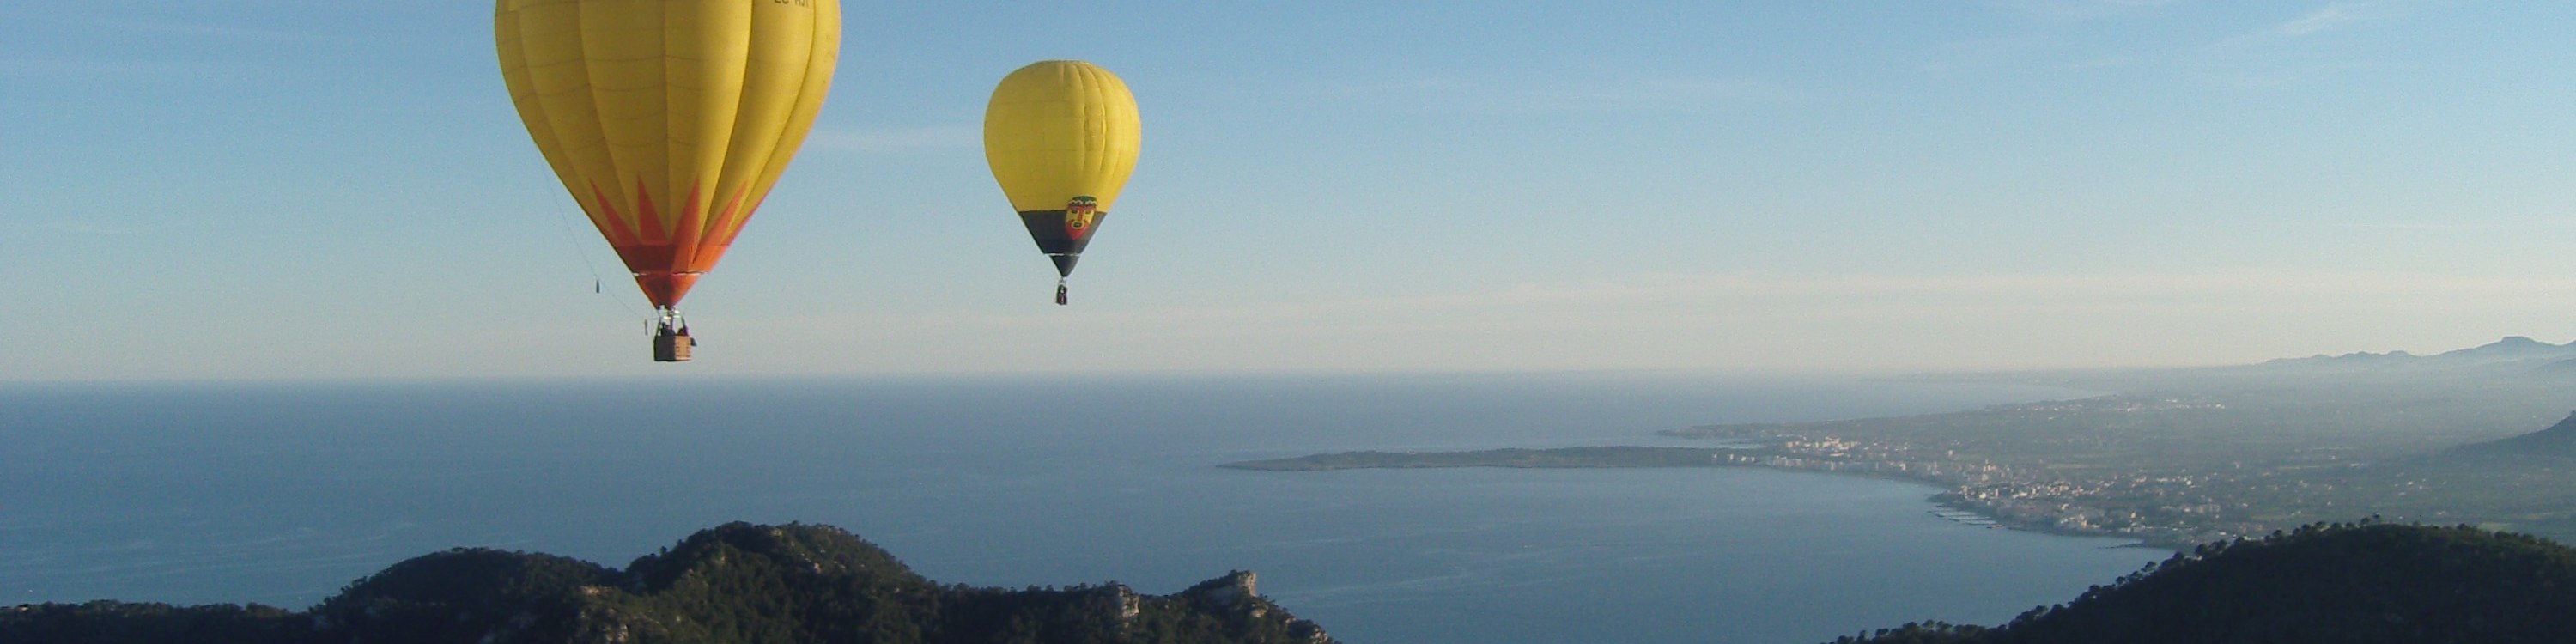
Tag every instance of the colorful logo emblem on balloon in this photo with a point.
(1079, 215)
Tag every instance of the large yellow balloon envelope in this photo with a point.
(668, 120)
(1062, 137)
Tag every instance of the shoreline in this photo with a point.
(1644, 457)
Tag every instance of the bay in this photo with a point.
(281, 493)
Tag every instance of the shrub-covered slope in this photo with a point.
(2358, 583)
(734, 583)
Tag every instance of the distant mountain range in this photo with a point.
(2510, 352)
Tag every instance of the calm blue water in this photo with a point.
(280, 494)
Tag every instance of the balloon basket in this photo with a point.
(672, 346)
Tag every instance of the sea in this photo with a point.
(283, 493)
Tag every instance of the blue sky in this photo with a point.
(274, 189)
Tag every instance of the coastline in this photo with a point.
(1631, 456)
(2173, 462)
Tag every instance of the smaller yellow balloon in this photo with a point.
(1062, 136)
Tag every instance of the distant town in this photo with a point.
(2188, 456)
(2162, 508)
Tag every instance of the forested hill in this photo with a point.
(2557, 441)
(2354, 584)
(2361, 583)
(734, 583)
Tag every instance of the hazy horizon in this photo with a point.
(1009, 375)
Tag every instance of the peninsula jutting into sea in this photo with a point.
(2179, 457)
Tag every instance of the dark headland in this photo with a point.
(737, 583)
(2358, 583)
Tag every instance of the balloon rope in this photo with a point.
(596, 281)
(1059, 291)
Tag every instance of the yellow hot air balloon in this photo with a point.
(1061, 136)
(668, 120)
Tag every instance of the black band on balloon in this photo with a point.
(1053, 237)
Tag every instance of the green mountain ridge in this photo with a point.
(2361, 583)
(2558, 440)
(734, 583)
(2364, 582)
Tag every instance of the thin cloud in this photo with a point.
(2332, 17)
(2320, 20)
(2293, 51)
(2343, 14)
